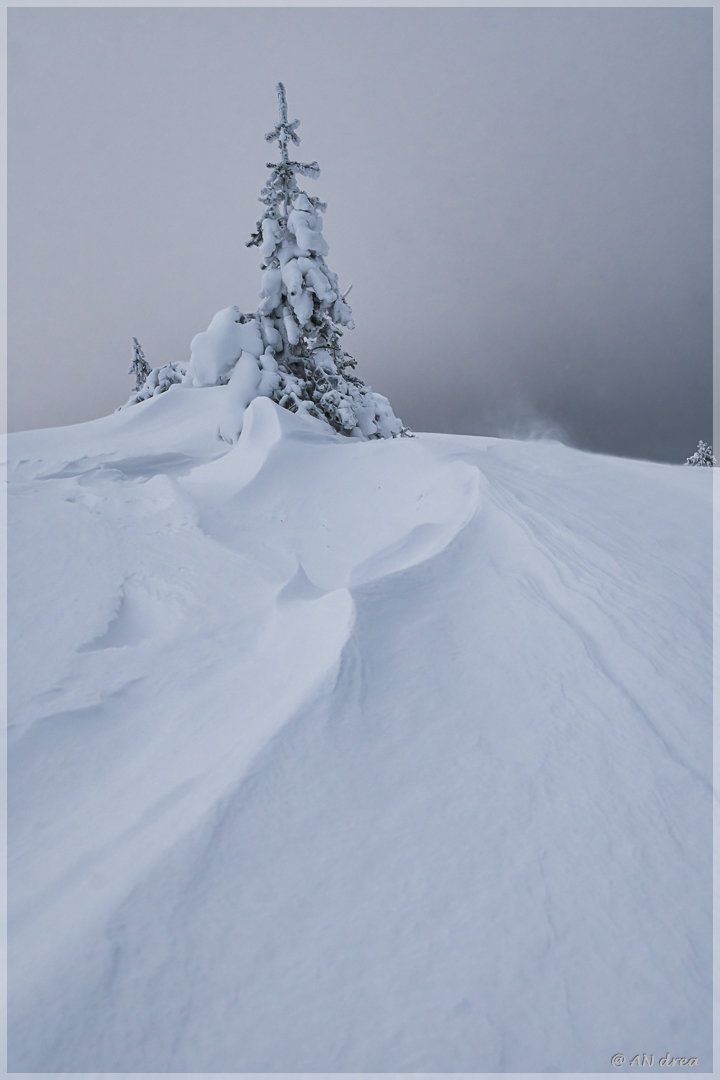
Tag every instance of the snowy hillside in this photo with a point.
(329, 755)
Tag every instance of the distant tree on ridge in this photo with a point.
(702, 456)
(139, 366)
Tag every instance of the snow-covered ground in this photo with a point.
(338, 756)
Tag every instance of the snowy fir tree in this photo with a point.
(302, 311)
(139, 366)
(290, 349)
(702, 456)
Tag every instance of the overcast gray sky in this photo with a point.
(521, 198)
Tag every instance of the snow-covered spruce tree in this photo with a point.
(302, 312)
(702, 456)
(139, 366)
(151, 381)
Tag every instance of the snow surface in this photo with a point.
(337, 756)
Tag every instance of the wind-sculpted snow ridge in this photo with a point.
(331, 756)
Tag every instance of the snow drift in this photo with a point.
(328, 755)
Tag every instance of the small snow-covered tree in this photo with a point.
(702, 456)
(302, 312)
(139, 366)
(151, 381)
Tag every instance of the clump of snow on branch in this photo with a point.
(290, 348)
(214, 352)
(158, 381)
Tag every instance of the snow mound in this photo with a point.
(341, 756)
(214, 352)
